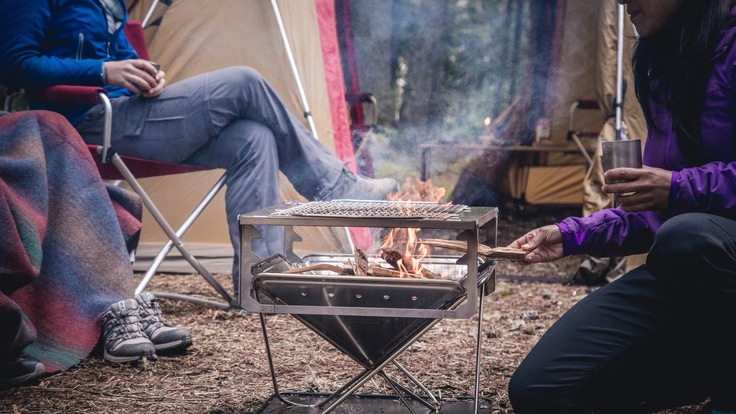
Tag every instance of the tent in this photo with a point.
(578, 38)
(188, 37)
(581, 66)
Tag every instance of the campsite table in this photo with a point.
(536, 154)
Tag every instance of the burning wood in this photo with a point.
(407, 264)
(362, 267)
(493, 253)
(361, 263)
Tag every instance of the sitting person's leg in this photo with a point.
(248, 151)
(211, 118)
(190, 113)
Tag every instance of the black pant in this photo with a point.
(656, 338)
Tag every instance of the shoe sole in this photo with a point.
(37, 373)
(180, 345)
(127, 358)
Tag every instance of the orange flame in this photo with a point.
(411, 190)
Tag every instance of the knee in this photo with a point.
(683, 240)
(257, 142)
(687, 244)
(240, 77)
(681, 235)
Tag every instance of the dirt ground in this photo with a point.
(226, 370)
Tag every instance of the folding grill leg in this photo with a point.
(482, 295)
(356, 382)
(370, 373)
(399, 390)
(359, 380)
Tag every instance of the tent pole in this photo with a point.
(150, 12)
(619, 73)
(287, 46)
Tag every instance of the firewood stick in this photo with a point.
(494, 253)
(393, 258)
(320, 267)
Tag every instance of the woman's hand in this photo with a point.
(645, 188)
(136, 75)
(543, 244)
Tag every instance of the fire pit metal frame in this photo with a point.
(468, 223)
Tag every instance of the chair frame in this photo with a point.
(106, 155)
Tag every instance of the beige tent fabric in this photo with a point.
(572, 80)
(606, 69)
(606, 85)
(557, 184)
(634, 124)
(199, 36)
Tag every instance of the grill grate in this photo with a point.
(376, 209)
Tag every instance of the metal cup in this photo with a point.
(617, 154)
(155, 65)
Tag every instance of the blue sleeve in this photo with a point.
(24, 60)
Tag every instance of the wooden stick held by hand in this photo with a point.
(493, 253)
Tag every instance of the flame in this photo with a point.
(404, 240)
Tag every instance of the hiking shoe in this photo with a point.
(122, 334)
(19, 370)
(165, 336)
(350, 186)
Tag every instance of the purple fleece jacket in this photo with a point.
(710, 187)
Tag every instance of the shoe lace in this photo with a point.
(119, 327)
(151, 316)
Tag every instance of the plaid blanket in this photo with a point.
(63, 239)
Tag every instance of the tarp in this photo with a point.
(193, 36)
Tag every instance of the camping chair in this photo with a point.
(578, 136)
(113, 166)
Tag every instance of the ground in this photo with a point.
(226, 370)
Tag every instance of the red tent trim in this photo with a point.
(334, 79)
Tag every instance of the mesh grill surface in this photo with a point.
(375, 209)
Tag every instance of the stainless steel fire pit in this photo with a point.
(371, 319)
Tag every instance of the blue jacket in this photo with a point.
(55, 42)
(710, 187)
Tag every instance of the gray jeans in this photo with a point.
(232, 119)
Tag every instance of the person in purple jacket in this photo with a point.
(660, 336)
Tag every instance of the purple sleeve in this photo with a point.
(610, 232)
(710, 187)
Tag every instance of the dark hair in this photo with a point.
(680, 57)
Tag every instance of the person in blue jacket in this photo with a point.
(229, 118)
(659, 337)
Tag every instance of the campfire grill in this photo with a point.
(371, 319)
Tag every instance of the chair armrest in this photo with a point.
(92, 95)
(68, 93)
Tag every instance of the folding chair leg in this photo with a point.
(174, 238)
(158, 260)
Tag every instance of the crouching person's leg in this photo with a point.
(615, 351)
